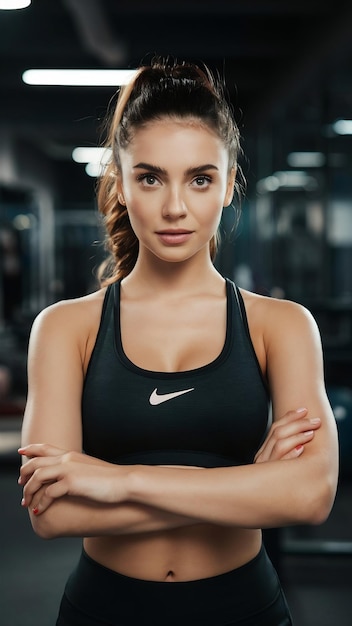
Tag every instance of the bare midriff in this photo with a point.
(177, 555)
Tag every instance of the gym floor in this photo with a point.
(315, 563)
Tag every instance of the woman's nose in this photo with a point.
(174, 205)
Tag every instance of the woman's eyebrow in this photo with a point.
(150, 168)
(160, 170)
(201, 168)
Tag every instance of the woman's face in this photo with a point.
(174, 181)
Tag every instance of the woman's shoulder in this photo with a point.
(68, 328)
(74, 314)
(277, 314)
(262, 302)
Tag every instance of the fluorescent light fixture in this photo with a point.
(91, 155)
(286, 180)
(8, 5)
(270, 183)
(95, 158)
(342, 127)
(94, 169)
(306, 159)
(78, 78)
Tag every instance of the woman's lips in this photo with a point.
(173, 237)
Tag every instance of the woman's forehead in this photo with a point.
(165, 129)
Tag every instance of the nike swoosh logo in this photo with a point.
(156, 398)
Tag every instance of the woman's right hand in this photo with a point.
(51, 473)
(288, 436)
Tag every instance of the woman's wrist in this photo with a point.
(133, 483)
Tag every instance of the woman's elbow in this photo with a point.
(44, 527)
(317, 504)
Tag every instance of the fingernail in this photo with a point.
(23, 502)
(298, 448)
(35, 511)
(315, 420)
(301, 410)
(307, 433)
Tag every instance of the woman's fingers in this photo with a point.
(39, 502)
(289, 418)
(294, 453)
(31, 466)
(51, 472)
(40, 449)
(67, 476)
(43, 454)
(292, 430)
(285, 448)
(40, 477)
(45, 496)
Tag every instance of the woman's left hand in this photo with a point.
(288, 437)
(51, 473)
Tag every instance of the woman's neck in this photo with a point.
(186, 276)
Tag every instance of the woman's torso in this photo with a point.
(135, 373)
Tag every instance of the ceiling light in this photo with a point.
(95, 170)
(95, 158)
(342, 127)
(78, 78)
(306, 159)
(91, 155)
(8, 5)
(286, 180)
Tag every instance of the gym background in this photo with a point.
(288, 69)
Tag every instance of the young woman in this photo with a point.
(147, 428)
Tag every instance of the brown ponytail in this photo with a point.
(120, 240)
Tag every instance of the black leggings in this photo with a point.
(250, 595)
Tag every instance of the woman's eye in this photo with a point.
(147, 179)
(202, 181)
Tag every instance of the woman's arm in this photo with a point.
(61, 338)
(273, 493)
(80, 517)
(78, 492)
(266, 494)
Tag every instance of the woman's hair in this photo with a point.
(161, 89)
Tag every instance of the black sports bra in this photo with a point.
(211, 416)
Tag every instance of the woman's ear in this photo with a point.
(230, 187)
